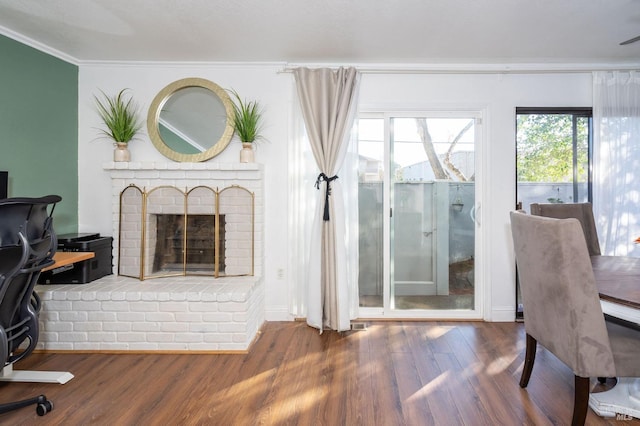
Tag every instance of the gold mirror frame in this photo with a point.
(154, 115)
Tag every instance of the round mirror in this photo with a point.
(191, 120)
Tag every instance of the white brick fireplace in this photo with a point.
(200, 313)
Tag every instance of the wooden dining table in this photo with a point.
(618, 281)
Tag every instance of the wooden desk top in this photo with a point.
(618, 279)
(63, 258)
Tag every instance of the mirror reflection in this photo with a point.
(190, 120)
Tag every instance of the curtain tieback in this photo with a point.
(325, 178)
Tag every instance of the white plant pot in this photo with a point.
(121, 152)
(246, 153)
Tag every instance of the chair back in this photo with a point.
(581, 211)
(27, 244)
(561, 304)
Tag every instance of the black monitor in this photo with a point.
(4, 184)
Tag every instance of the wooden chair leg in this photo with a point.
(529, 359)
(580, 401)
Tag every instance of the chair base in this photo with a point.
(43, 405)
(8, 374)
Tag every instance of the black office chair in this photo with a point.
(27, 245)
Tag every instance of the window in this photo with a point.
(553, 155)
(553, 159)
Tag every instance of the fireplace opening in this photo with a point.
(198, 237)
(218, 239)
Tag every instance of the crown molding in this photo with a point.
(38, 46)
(477, 68)
(180, 64)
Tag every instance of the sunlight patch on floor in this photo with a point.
(437, 331)
(430, 387)
(500, 364)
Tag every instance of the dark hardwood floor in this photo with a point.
(392, 373)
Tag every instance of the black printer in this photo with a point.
(87, 270)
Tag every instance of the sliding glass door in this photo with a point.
(417, 204)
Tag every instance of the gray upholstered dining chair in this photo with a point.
(581, 211)
(562, 307)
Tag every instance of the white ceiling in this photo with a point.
(330, 31)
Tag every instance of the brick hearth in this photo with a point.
(117, 313)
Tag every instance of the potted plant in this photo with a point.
(247, 124)
(120, 116)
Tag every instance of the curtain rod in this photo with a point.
(472, 68)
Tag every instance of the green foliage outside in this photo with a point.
(545, 148)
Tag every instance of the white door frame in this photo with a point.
(481, 295)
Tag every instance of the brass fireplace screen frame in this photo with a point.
(138, 233)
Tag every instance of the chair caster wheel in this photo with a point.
(44, 407)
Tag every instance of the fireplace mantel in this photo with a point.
(188, 171)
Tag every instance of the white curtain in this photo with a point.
(616, 165)
(328, 103)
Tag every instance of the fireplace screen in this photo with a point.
(169, 232)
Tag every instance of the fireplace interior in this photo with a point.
(198, 236)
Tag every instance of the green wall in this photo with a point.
(39, 128)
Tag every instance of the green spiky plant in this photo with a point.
(120, 116)
(247, 119)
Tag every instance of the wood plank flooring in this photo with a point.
(392, 373)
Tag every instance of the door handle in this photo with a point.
(474, 213)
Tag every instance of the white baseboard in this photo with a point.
(502, 314)
(278, 313)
